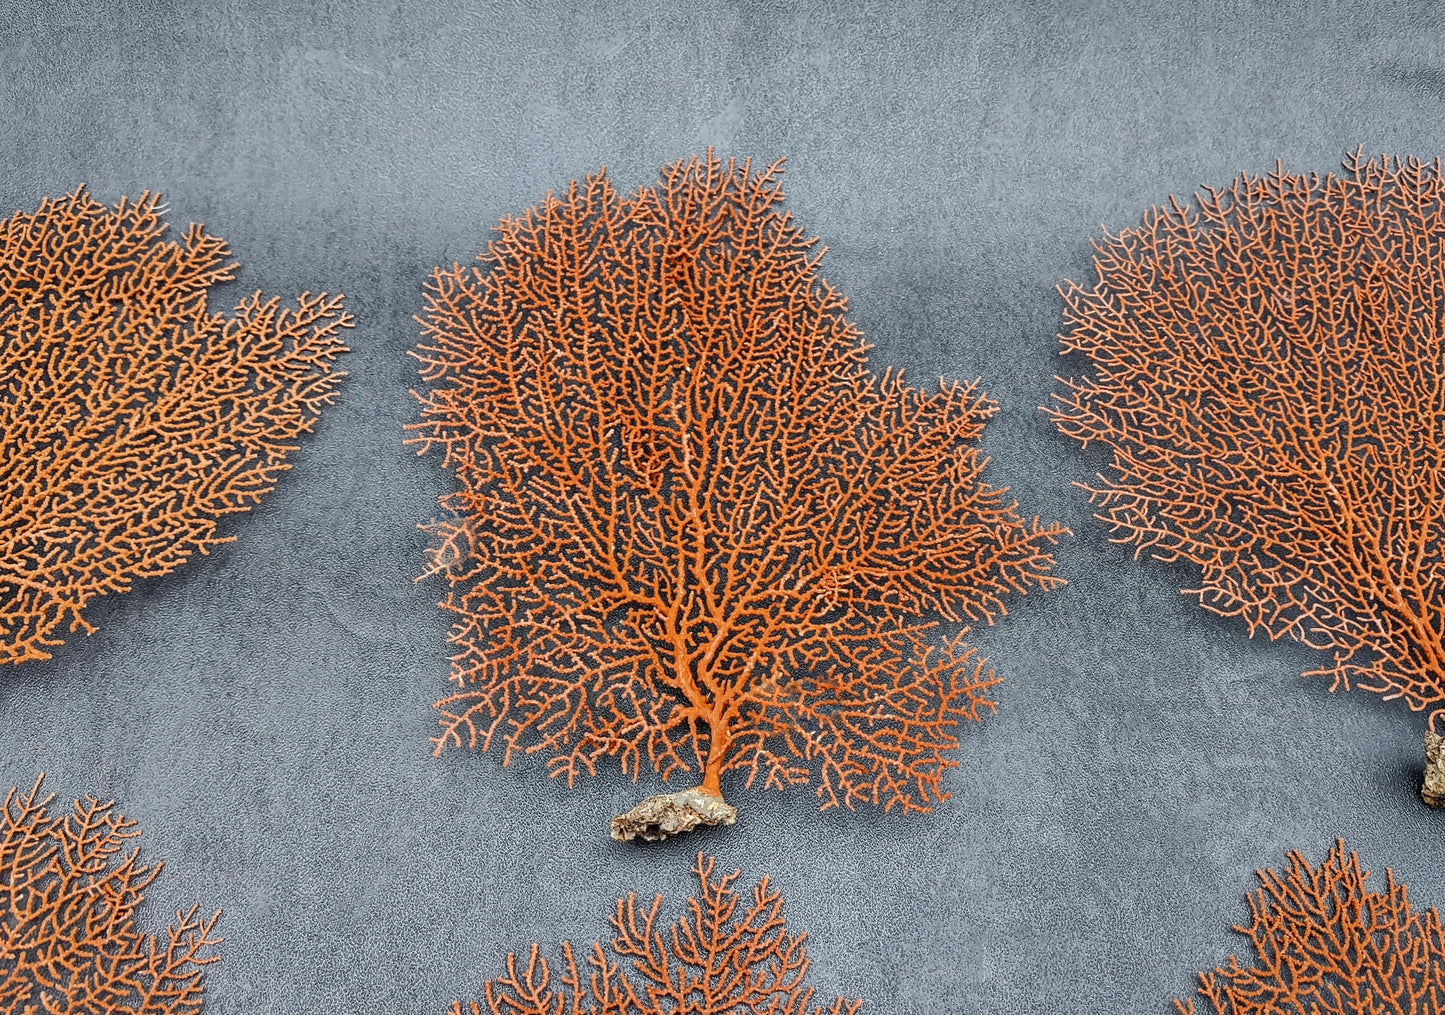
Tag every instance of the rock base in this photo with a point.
(657, 817)
(1433, 790)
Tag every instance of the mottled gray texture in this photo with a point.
(265, 712)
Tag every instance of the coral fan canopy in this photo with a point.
(132, 417)
(1269, 371)
(1326, 946)
(693, 531)
(725, 956)
(68, 936)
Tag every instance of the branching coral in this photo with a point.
(1325, 946)
(1270, 374)
(718, 959)
(132, 417)
(693, 531)
(68, 938)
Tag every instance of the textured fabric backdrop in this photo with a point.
(264, 712)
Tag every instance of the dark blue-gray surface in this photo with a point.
(264, 713)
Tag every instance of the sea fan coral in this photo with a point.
(1325, 946)
(718, 959)
(694, 532)
(132, 417)
(1269, 370)
(68, 937)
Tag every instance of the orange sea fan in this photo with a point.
(133, 418)
(1269, 371)
(720, 958)
(1325, 946)
(694, 532)
(68, 938)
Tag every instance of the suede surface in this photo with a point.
(264, 712)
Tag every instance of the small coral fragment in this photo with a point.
(722, 957)
(1325, 946)
(1432, 789)
(657, 817)
(68, 937)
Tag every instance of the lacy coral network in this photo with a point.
(1325, 946)
(1262, 360)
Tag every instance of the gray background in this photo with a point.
(264, 713)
